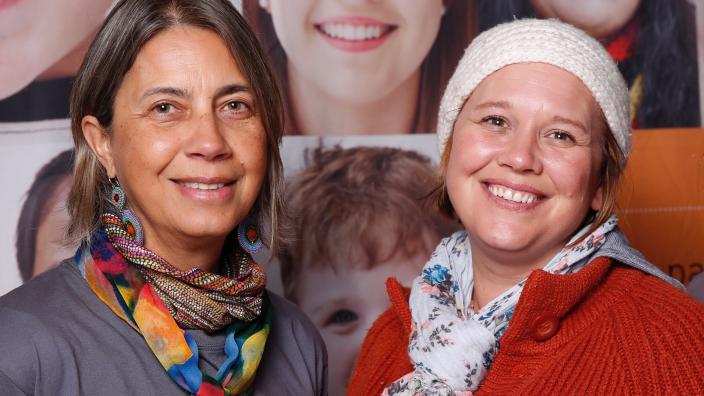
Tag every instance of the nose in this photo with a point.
(521, 152)
(207, 140)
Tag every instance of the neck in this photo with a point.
(318, 113)
(186, 254)
(496, 272)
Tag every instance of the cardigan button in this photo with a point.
(544, 326)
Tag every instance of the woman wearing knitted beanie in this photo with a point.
(541, 293)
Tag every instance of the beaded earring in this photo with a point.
(249, 237)
(132, 226)
(117, 195)
(129, 220)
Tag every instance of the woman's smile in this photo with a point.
(512, 196)
(206, 190)
(355, 33)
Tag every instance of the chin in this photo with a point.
(204, 230)
(508, 245)
(503, 240)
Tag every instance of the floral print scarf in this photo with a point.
(452, 346)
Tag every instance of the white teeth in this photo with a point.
(352, 32)
(203, 186)
(511, 195)
(508, 194)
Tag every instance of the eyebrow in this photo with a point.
(166, 90)
(500, 103)
(570, 122)
(230, 89)
(181, 93)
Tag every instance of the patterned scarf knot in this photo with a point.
(195, 298)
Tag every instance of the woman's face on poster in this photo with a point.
(36, 36)
(600, 18)
(355, 50)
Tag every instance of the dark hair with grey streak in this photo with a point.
(128, 27)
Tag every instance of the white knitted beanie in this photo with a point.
(544, 41)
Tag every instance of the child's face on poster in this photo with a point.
(356, 50)
(344, 303)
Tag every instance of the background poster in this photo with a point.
(365, 74)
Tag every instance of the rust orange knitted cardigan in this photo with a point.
(608, 329)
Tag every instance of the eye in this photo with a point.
(495, 121)
(163, 108)
(562, 136)
(237, 109)
(236, 106)
(341, 317)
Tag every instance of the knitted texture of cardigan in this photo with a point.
(611, 330)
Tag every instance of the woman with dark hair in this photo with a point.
(364, 67)
(653, 42)
(176, 121)
(43, 223)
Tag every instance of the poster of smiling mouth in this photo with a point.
(361, 81)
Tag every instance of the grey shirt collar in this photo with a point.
(616, 247)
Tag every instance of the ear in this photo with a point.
(598, 199)
(99, 141)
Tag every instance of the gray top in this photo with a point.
(616, 247)
(696, 287)
(58, 338)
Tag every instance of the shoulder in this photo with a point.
(661, 329)
(53, 298)
(295, 352)
(696, 287)
(655, 299)
(383, 358)
(42, 292)
(43, 300)
(30, 316)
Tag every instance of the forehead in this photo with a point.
(539, 84)
(185, 54)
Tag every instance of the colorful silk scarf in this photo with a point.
(196, 299)
(452, 346)
(133, 282)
